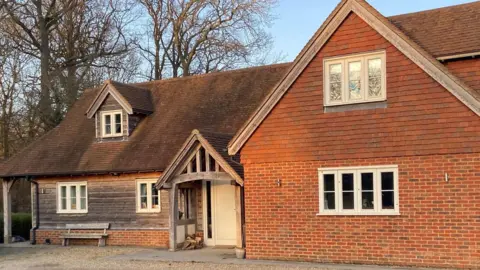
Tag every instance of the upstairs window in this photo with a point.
(111, 122)
(359, 191)
(355, 79)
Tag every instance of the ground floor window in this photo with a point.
(72, 197)
(148, 197)
(359, 190)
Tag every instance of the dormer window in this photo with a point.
(355, 79)
(112, 123)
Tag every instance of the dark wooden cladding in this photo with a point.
(111, 199)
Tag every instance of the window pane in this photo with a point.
(155, 204)
(354, 80)
(335, 82)
(108, 119)
(83, 191)
(329, 203)
(348, 197)
(374, 77)
(367, 191)
(203, 162)
(348, 200)
(347, 182)
(83, 203)
(118, 123)
(388, 199)
(143, 196)
(387, 180)
(73, 197)
(367, 200)
(329, 182)
(63, 198)
(83, 197)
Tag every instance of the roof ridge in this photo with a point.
(219, 73)
(433, 9)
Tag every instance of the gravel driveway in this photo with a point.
(85, 257)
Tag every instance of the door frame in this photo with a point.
(208, 242)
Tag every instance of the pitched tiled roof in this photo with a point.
(139, 98)
(445, 31)
(218, 102)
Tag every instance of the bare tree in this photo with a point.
(70, 38)
(11, 68)
(201, 36)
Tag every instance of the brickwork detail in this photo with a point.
(146, 238)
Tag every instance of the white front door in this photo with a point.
(220, 224)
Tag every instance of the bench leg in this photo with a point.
(101, 242)
(65, 242)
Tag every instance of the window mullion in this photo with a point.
(149, 195)
(68, 198)
(77, 198)
(357, 193)
(345, 81)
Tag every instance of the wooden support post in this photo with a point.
(173, 216)
(7, 210)
(238, 210)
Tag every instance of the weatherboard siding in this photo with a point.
(111, 199)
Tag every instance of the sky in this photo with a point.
(297, 20)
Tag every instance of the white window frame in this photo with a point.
(112, 123)
(68, 198)
(149, 208)
(377, 192)
(344, 60)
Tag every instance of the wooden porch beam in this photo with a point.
(7, 210)
(173, 196)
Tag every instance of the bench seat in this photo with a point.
(94, 226)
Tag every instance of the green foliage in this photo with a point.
(21, 225)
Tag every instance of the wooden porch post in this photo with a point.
(173, 216)
(7, 210)
(238, 210)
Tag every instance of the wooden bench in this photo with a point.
(101, 236)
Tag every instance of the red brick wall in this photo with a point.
(439, 225)
(146, 238)
(425, 130)
(422, 117)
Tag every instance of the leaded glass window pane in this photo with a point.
(375, 77)
(354, 80)
(336, 82)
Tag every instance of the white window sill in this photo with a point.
(148, 211)
(355, 102)
(72, 212)
(112, 136)
(359, 214)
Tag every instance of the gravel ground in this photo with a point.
(81, 257)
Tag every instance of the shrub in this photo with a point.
(21, 225)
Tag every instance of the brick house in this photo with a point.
(363, 150)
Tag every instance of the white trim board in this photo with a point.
(385, 28)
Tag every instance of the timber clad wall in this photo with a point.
(111, 199)
(424, 130)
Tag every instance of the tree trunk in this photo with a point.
(45, 103)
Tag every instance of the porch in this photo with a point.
(206, 196)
